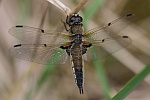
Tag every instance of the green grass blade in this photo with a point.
(103, 79)
(92, 10)
(132, 84)
(47, 71)
(45, 75)
(25, 9)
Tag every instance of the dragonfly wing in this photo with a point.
(39, 53)
(33, 35)
(102, 48)
(85, 57)
(111, 29)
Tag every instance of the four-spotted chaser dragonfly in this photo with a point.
(53, 47)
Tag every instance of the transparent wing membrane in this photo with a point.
(34, 35)
(111, 29)
(38, 45)
(106, 40)
(105, 47)
(43, 54)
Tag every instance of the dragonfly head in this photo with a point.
(75, 19)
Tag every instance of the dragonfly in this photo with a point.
(51, 47)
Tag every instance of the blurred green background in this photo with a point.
(23, 80)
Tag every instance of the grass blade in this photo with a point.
(92, 9)
(103, 79)
(132, 84)
(25, 6)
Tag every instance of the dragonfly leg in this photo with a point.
(65, 25)
(67, 21)
(68, 50)
(84, 49)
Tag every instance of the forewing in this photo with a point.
(39, 53)
(102, 48)
(111, 29)
(33, 35)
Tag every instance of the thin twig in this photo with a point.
(79, 6)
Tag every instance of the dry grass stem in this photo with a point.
(44, 9)
(61, 6)
(67, 10)
(79, 6)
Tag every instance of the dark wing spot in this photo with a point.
(18, 45)
(128, 15)
(103, 40)
(62, 47)
(45, 45)
(42, 31)
(19, 26)
(109, 24)
(89, 45)
(125, 36)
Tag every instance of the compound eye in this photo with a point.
(72, 19)
(80, 19)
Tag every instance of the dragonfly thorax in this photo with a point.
(78, 29)
(77, 38)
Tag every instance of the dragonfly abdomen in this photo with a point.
(76, 55)
(78, 73)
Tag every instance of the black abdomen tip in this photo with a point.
(81, 90)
